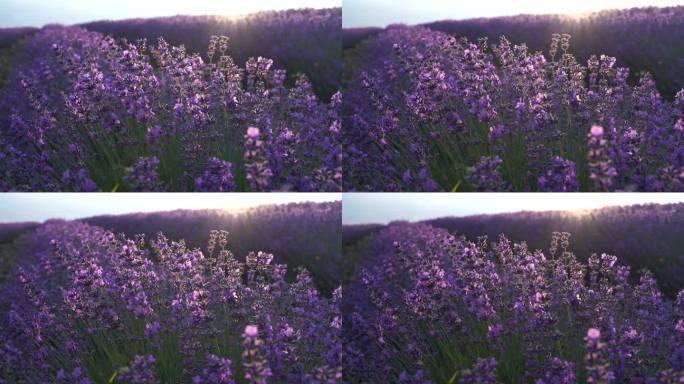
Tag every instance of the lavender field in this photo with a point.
(429, 305)
(87, 305)
(86, 111)
(528, 103)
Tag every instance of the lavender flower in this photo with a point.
(255, 366)
(218, 177)
(142, 176)
(602, 173)
(79, 180)
(256, 166)
(485, 175)
(217, 370)
(141, 371)
(559, 371)
(482, 372)
(76, 376)
(597, 367)
(561, 177)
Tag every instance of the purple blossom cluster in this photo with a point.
(89, 306)
(484, 116)
(141, 371)
(84, 112)
(561, 176)
(143, 177)
(428, 306)
(485, 175)
(217, 177)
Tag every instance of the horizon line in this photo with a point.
(577, 15)
(235, 16)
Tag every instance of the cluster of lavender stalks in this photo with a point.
(432, 307)
(88, 306)
(83, 112)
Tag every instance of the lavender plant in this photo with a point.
(89, 306)
(427, 111)
(86, 113)
(432, 307)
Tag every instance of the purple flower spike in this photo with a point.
(257, 168)
(255, 365)
(596, 363)
(561, 177)
(143, 177)
(218, 177)
(141, 371)
(485, 175)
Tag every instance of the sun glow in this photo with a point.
(231, 8)
(577, 15)
(580, 8)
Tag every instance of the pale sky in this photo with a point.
(381, 208)
(17, 207)
(36, 13)
(380, 13)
